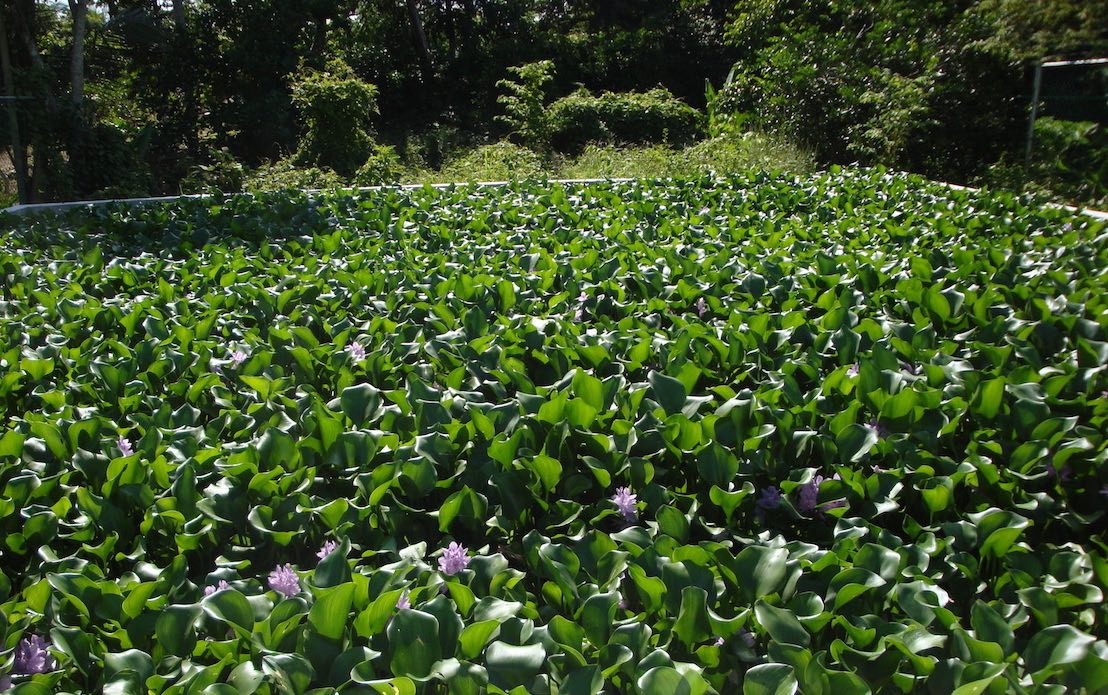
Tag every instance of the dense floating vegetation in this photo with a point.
(840, 434)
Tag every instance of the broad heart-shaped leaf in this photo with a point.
(989, 398)
(413, 643)
(475, 636)
(330, 612)
(692, 620)
(717, 465)
(511, 666)
(760, 571)
(666, 680)
(1055, 646)
(360, 403)
(291, 672)
(587, 680)
(669, 392)
(231, 607)
(464, 504)
(854, 442)
(781, 624)
(175, 628)
(770, 679)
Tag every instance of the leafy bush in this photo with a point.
(286, 174)
(336, 108)
(1070, 159)
(726, 154)
(655, 116)
(839, 433)
(223, 174)
(500, 161)
(382, 167)
(526, 111)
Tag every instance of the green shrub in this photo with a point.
(336, 108)
(382, 167)
(1069, 162)
(285, 174)
(726, 154)
(223, 174)
(655, 116)
(500, 161)
(526, 112)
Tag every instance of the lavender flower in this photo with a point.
(625, 500)
(327, 549)
(1104, 491)
(809, 495)
(31, 656)
(238, 357)
(701, 307)
(910, 368)
(357, 352)
(125, 447)
(853, 370)
(284, 581)
(454, 559)
(403, 601)
(769, 498)
(718, 642)
(221, 586)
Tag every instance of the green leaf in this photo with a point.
(1055, 646)
(669, 392)
(854, 442)
(475, 636)
(770, 679)
(781, 624)
(511, 666)
(330, 612)
(414, 643)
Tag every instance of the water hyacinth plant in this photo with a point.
(642, 481)
(454, 559)
(284, 581)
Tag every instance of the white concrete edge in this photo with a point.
(1080, 211)
(30, 208)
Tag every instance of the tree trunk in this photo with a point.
(19, 153)
(421, 41)
(79, 9)
(179, 18)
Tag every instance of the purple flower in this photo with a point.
(221, 586)
(284, 581)
(31, 656)
(701, 307)
(238, 357)
(327, 549)
(769, 498)
(125, 447)
(910, 368)
(718, 642)
(809, 495)
(5, 683)
(853, 371)
(357, 352)
(625, 500)
(1104, 490)
(454, 559)
(403, 601)
(622, 603)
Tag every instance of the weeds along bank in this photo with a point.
(833, 433)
